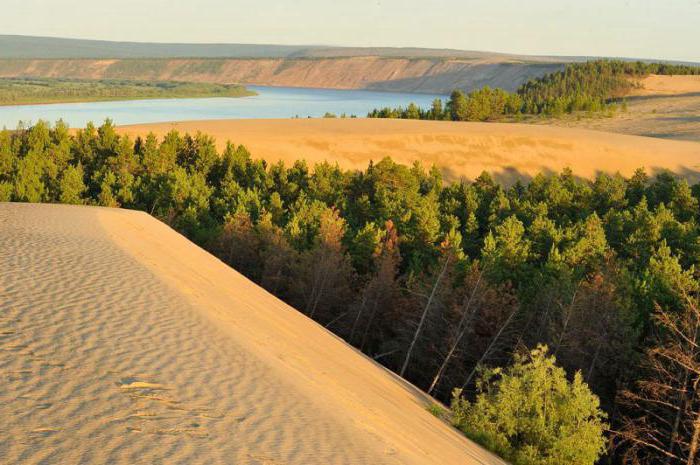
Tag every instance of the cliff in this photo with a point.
(422, 75)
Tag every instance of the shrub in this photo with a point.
(530, 414)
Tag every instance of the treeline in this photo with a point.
(450, 285)
(592, 87)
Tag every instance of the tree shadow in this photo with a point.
(647, 98)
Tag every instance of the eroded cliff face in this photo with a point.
(426, 75)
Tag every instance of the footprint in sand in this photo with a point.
(263, 460)
(161, 415)
(43, 431)
(17, 348)
(130, 384)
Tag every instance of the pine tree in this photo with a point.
(326, 272)
(71, 186)
(530, 414)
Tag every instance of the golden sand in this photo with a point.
(460, 150)
(122, 342)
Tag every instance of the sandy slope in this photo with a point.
(665, 107)
(123, 343)
(509, 151)
(668, 85)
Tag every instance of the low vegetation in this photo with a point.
(33, 91)
(593, 86)
(446, 284)
(531, 414)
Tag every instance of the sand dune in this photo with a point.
(666, 107)
(509, 151)
(668, 85)
(123, 343)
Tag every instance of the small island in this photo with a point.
(28, 91)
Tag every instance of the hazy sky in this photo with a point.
(668, 29)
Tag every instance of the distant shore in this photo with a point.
(15, 92)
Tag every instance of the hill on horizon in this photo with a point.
(395, 69)
(42, 47)
(20, 46)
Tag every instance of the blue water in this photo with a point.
(271, 102)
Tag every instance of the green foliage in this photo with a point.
(437, 410)
(589, 86)
(365, 246)
(28, 178)
(530, 414)
(16, 91)
(5, 191)
(71, 185)
(594, 86)
(506, 250)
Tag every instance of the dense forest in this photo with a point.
(547, 313)
(593, 86)
(16, 91)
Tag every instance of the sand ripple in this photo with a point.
(103, 361)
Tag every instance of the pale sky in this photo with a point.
(664, 29)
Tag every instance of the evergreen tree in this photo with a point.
(531, 414)
(71, 186)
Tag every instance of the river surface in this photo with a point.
(271, 102)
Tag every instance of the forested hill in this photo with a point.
(592, 86)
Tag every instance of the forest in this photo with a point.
(22, 91)
(594, 86)
(558, 317)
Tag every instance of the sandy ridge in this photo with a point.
(123, 343)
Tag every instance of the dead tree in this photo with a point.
(426, 309)
(663, 420)
(462, 329)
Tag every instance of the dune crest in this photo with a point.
(121, 342)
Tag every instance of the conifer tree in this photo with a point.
(530, 414)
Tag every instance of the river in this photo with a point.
(271, 102)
